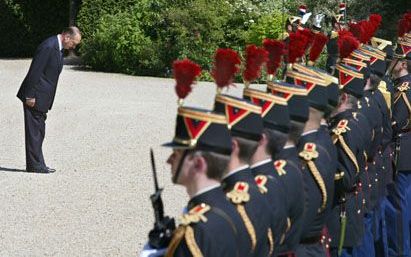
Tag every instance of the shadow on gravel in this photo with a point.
(11, 170)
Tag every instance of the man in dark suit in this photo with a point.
(38, 90)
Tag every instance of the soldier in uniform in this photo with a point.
(264, 219)
(318, 166)
(398, 209)
(201, 154)
(346, 221)
(370, 61)
(276, 126)
(287, 162)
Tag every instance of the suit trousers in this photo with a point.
(35, 130)
(397, 214)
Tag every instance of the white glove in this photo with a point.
(150, 252)
(317, 20)
(306, 17)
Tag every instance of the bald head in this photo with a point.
(72, 31)
(71, 37)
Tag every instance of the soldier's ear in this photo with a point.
(235, 147)
(263, 140)
(200, 164)
(344, 97)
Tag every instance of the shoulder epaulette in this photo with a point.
(239, 195)
(338, 131)
(342, 127)
(404, 86)
(279, 167)
(402, 89)
(195, 215)
(309, 154)
(261, 180)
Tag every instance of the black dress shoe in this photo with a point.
(50, 170)
(42, 171)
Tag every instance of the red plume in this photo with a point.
(226, 65)
(357, 30)
(347, 43)
(404, 25)
(185, 72)
(368, 29)
(319, 42)
(275, 49)
(255, 58)
(296, 46)
(375, 21)
(309, 35)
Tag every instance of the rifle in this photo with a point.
(160, 236)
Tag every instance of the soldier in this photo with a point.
(201, 154)
(383, 160)
(287, 162)
(398, 209)
(275, 122)
(246, 126)
(318, 166)
(346, 217)
(374, 107)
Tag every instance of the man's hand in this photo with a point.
(30, 102)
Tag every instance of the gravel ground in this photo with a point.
(98, 137)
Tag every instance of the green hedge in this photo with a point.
(167, 30)
(144, 36)
(119, 45)
(24, 24)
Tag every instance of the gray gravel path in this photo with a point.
(98, 137)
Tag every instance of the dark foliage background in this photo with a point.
(143, 37)
(25, 23)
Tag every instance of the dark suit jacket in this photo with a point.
(41, 80)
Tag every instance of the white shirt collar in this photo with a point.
(235, 171)
(260, 163)
(59, 40)
(206, 189)
(309, 132)
(288, 146)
